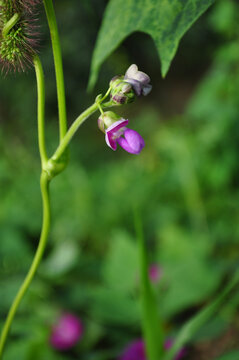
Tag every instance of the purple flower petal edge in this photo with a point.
(111, 133)
(132, 142)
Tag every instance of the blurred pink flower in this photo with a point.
(136, 350)
(155, 273)
(66, 332)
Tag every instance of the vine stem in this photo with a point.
(41, 110)
(72, 130)
(44, 182)
(77, 123)
(51, 18)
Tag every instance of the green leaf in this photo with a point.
(152, 329)
(166, 21)
(114, 307)
(190, 328)
(179, 252)
(120, 270)
(62, 259)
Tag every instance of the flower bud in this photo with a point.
(107, 119)
(121, 91)
(139, 80)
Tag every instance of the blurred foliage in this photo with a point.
(185, 183)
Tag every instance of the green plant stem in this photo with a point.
(72, 130)
(76, 124)
(51, 18)
(10, 24)
(151, 321)
(41, 109)
(44, 182)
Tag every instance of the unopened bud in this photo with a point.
(107, 119)
(121, 91)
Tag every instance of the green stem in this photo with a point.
(36, 261)
(76, 124)
(9, 25)
(151, 321)
(41, 109)
(50, 13)
(74, 127)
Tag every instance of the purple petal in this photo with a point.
(142, 77)
(136, 85)
(120, 99)
(134, 351)
(132, 142)
(66, 332)
(132, 70)
(113, 132)
(155, 273)
(146, 89)
(134, 74)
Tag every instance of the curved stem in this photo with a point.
(79, 120)
(74, 127)
(50, 13)
(41, 109)
(36, 261)
(9, 25)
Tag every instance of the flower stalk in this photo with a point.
(56, 47)
(44, 182)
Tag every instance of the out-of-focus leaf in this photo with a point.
(121, 263)
(62, 259)
(188, 275)
(232, 355)
(165, 21)
(190, 328)
(113, 307)
(16, 350)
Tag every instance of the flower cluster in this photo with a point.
(123, 91)
(17, 33)
(133, 83)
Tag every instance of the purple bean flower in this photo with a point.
(155, 273)
(136, 350)
(66, 332)
(128, 139)
(139, 80)
(116, 132)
